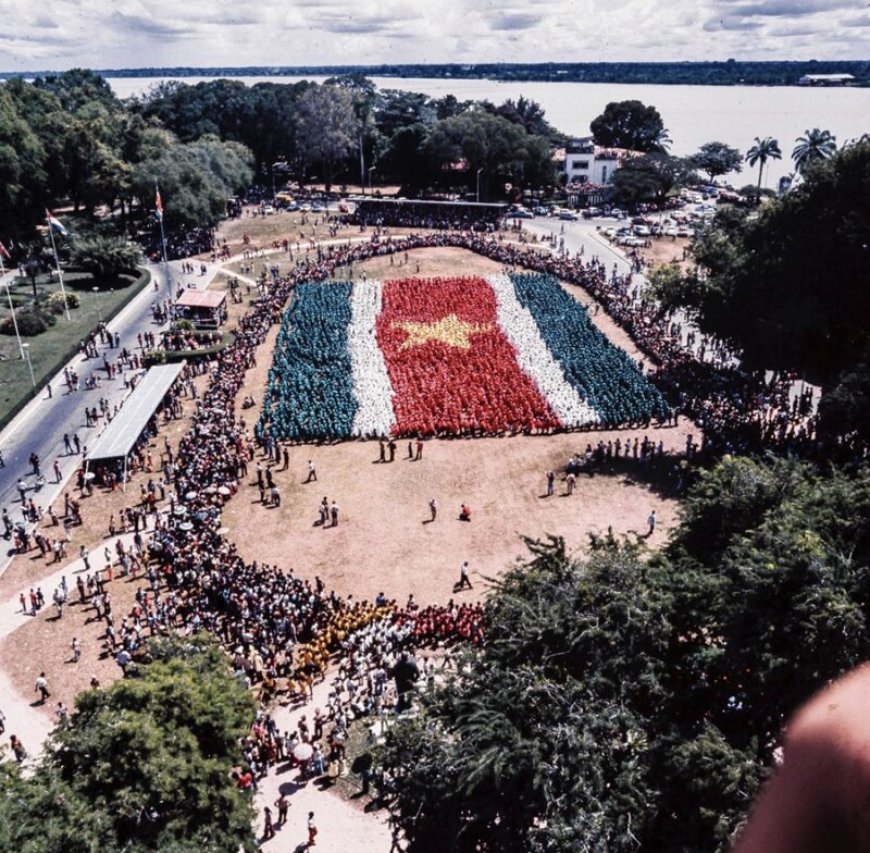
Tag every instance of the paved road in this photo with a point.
(40, 426)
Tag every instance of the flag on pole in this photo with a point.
(4, 252)
(158, 204)
(55, 224)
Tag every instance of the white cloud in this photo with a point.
(56, 34)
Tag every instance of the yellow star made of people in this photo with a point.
(448, 330)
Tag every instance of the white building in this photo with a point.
(826, 80)
(588, 163)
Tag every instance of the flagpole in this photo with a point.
(11, 306)
(163, 244)
(59, 273)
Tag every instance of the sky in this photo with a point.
(59, 34)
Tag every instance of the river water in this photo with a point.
(693, 115)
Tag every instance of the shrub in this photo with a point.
(154, 357)
(55, 301)
(30, 323)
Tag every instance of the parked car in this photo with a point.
(268, 209)
(568, 216)
(540, 211)
(520, 213)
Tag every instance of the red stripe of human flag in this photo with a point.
(450, 364)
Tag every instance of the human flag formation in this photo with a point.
(54, 223)
(447, 356)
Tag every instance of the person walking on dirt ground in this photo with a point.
(312, 472)
(433, 508)
(464, 580)
(17, 748)
(312, 830)
(42, 688)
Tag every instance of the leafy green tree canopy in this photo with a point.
(762, 151)
(632, 125)
(649, 178)
(790, 289)
(328, 127)
(813, 147)
(145, 766)
(105, 257)
(717, 158)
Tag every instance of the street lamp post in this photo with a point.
(96, 292)
(26, 348)
(371, 169)
(478, 182)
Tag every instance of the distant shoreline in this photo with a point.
(726, 73)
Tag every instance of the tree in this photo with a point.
(501, 149)
(196, 178)
(717, 158)
(649, 178)
(105, 257)
(22, 161)
(814, 146)
(328, 128)
(790, 289)
(763, 150)
(844, 411)
(528, 113)
(631, 125)
(146, 764)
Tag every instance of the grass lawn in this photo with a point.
(50, 350)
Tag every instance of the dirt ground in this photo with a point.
(667, 250)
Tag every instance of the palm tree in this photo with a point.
(763, 150)
(813, 147)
